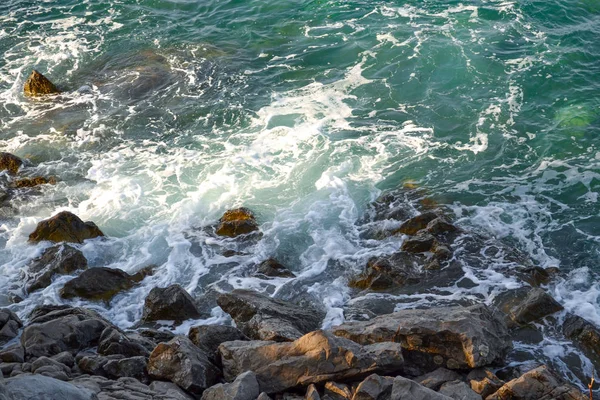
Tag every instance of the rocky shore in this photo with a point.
(278, 348)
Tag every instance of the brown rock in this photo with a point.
(35, 181)
(10, 163)
(239, 221)
(98, 283)
(415, 224)
(65, 227)
(38, 85)
(383, 273)
(484, 382)
(419, 243)
(272, 267)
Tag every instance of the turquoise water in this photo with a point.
(304, 111)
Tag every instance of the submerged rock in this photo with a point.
(65, 227)
(273, 268)
(9, 325)
(172, 303)
(316, 357)
(38, 85)
(263, 318)
(454, 337)
(10, 163)
(239, 221)
(56, 260)
(98, 283)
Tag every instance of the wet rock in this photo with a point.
(435, 379)
(459, 390)
(415, 224)
(35, 181)
(382, 273)
(484, 382)
(537, 384)
(245, 387)
(337, 391)
(28, 387)
(9, 325)
(38, 85)
(10, 163)
(65, 227)
(525, 305)
(537, 276)
(440, 226)
(403, 388)
(263, 318)
(98, 283)
(420, 243)
(208, 338)
(584, 334)
(273, 268)
(172, 303)
(316, 357)
(374, 387)
(312, 393)
(71, 329)
(113, 341)
(454, 337)
(134, 367)
(239, 221)
(13, 354)
(182, 363)
(56, 260)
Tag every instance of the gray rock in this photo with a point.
(208, 338)
(388, 272)
(374, 387)
(405, 389)
(459, 390)
(9, 325)
(584, 334)
(65, 358)
(316, 357)
(56, 260)
(114, 341)
(454, 337)
(263, 318)
(98, 283)
(133, 367)
(172, 303)
(48, 362)
(245, 387)
(92, 364)
(262, 396)
(484, 382)
(181, 362)
(538, 384)
(435, 379)
(13, 354)
(273, 268)
(70, 329)
(168, 391)
(312, 393)
(39, 387)
(525, 305)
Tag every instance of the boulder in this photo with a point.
(374, 387)
(64, 227)
(484, 382)
(9, 325)
(112, 341)
(168, 391)
(440, 226)
(38, 85)
(273, 268)
(98, 283)
(420, 243)
(435, 379)
(454, 337)
(33, 182)
(584, 334)
(239, 221)
(405, 389)
(263, 318)
(70, 329)
(316, 357)
(13, 354)
(208, 338)
(459, 390)
(56, 260)
(525, 305)
(172, 303)
(415, 224)
(182, 363)
(10, 163)
(134, 367)
(28, 387)
(245, 387)
(382, 273)
(538, 384)
(312, 393)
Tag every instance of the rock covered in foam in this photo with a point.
(65, 227)
(56, 260)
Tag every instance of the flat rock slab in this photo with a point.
(453, 337)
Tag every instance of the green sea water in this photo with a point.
(304, 111)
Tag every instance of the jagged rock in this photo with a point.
(13, 354)
(420, 243)
(33, 182)
(10, 163)
(9, 325)
(56, 260)
(459, 390)
(172, 303)
(537, 276)
(454, 337)
(374, 387)
(245, 387)
(337, 391)
(93, 364)
(65, 227)
(273, 268)
(182, 363)
(42, 362)
(525, 305)
(58, 330)
(415, 224)
(383, 273)
(113, 341)
(98, 283)
(38, 85)
(29, 387)
(484, 382)
(316, 357)
(537, 384)
(440, 226)
(263, 318)
(435, 379)
(312, 393)
(169, 391)
(584, 334)
(239, 221)
(208, 338)
(134, 367)
(404, 389)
